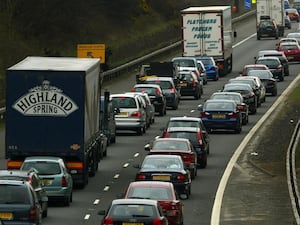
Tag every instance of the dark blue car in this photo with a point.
(221, 114)
(212, 70)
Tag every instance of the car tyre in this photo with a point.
(45, 210)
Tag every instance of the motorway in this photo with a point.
(116, 171)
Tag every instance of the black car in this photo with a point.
(134, 211)
(19, 203)
(267, 28)
(190, 84)
(267, 79)
(246, 91)
(156, 95)
(197, 137)
(33, 178)
(170, 168)
(274, 65)
(168, 88)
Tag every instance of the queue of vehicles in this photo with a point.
(177, 168)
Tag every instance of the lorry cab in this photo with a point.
(107, 117)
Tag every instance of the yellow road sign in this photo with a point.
(91, 51)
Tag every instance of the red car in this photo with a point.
(293, 14)
(291, 50)
(176, 146)
(249, 67)
(161, 191)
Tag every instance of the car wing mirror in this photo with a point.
(200, 108)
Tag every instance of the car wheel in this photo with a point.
(139, 131)
(113, 139)
(258, 37)
(274, 93)
(67, 200)
(161, 113)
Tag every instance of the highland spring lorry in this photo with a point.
(52, 106)
(271, 10)
(207, 31)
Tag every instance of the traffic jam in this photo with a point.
(49, 171)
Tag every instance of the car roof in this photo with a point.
(268, 57)
(43, 158)
(227, 93)
(151, 184)
(18, 173)
(123, 95)
(186, 118)
(147, 85)
(273, 52)
(220, 100)
(254, 65)
(172, 139)
(160, 78)
(163, 156)
(134, 201)
(183, 129)
(13, 182)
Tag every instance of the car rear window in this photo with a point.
(148, 90)
(156, 193)
(14, 194)
(132, 210)
(170, 145)
(43, 167)
(192, 136)
(182, 123)
(162, 84)
(125, 102)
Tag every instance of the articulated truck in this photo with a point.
(52, 106)
(207, 31)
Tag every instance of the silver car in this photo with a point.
(132, 112)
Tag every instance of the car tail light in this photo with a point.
(166, 134)
(32, 212)
(279, 67)
(14, 164)
(136, 114)
(204, 114)
(194, 83)
(158, 92)
(108, 221)
(64, 182)
(132, 89)
(140, 177)
(270, 82)
(172, 90)
(240, 107)
(199, 138)
(181, 178)
(158, 221)
(232, 115)
(214, 68)
(187, 158)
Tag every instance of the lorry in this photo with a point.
(207, 31)
(52, 106)
(273, 10)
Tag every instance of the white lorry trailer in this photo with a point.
(207, 31)
(273, 9)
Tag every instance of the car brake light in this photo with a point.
(132, 89)
(214, 68)
(32, 212)
(140, 177)
(271, 82)
(64, 182)
(157, 92)
(136, 114)
(279, 67)
(108, 221)
(181, 178)
(187, 159)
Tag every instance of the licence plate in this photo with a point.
(183, 84)
(123, 114)
(161, 177)
(218, 116)
(46, 182)
(132, 223)
(6, 215)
